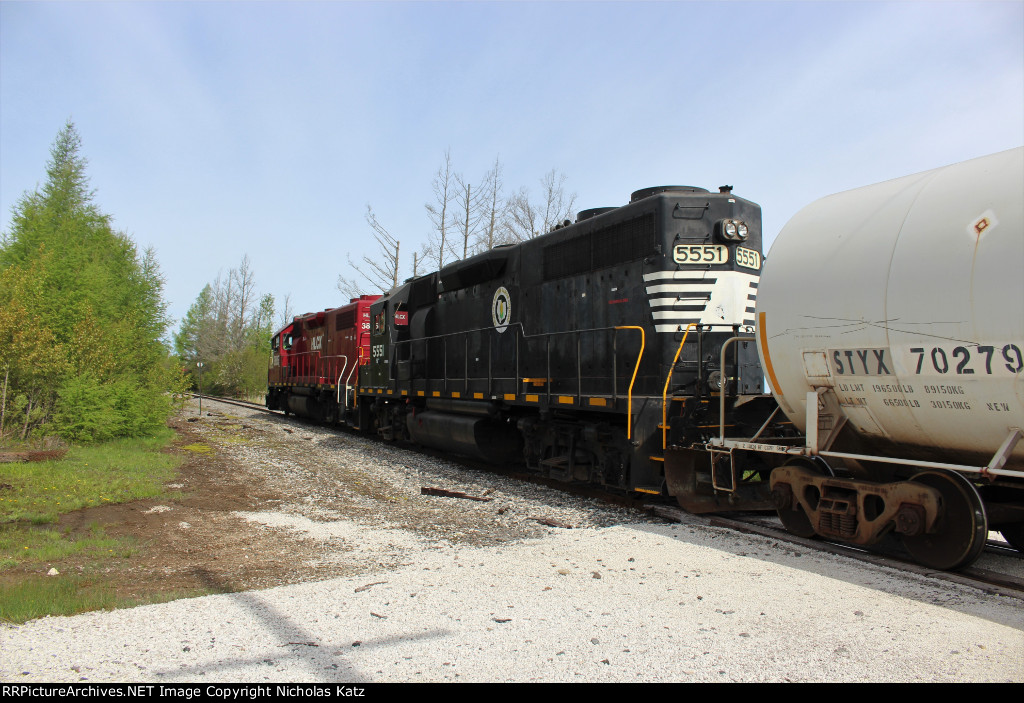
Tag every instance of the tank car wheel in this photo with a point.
(1014, 535)
(962, 528)
(796, 521)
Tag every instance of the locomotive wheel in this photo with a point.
(796, 521)
(1014, 536)
(961, 529)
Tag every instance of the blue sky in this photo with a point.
(215, 130)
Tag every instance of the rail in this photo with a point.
(338, 384)
(724, 391)
(348, 379)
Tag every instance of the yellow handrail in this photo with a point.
(636, 369)
(664, 393)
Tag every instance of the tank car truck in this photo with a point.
(890, 325)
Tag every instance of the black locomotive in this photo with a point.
(584, 352)
(620, 350)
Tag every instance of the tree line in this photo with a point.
(227, 330)
(83, 319)
(465, 218)
(82, 316)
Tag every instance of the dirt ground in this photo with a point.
(215, 553)
(263, 500)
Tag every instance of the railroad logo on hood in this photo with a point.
(501, 309)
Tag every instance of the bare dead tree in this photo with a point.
(286, 311)
(244, 285)
(492, 209)
(216, 339)
(380, 273)
(520, 222)
(558, 207)
(444, 192)
(469, 213)
(526, 219)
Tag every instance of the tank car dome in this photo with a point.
(655, 190)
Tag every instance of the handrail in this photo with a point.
(347, 384)
(314, 364)
(636, 369)
(725, 383)
(668, 379)
(522, 333)
(338, 386)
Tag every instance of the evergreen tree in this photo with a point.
(80, 343)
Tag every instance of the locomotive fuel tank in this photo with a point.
(902, 303)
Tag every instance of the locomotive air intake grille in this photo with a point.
(611, 246)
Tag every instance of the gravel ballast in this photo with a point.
(631, 599)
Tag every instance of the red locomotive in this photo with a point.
(314, 368)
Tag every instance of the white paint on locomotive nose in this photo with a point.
(722, 297)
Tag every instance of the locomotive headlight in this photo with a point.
(731, 230)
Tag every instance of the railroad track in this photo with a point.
(985, 579)
(233, 401)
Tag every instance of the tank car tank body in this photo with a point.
(891, 329)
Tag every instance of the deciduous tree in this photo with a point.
(444, 187)
(492, 210)
(526, 218)
(229, 333)
(375, 274)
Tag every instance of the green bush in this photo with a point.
(85, 411)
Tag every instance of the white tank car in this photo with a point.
(904, 303)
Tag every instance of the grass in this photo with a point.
(36, 596)
(69, 594)
(33, 496)
(114, 472)
(27, 545)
